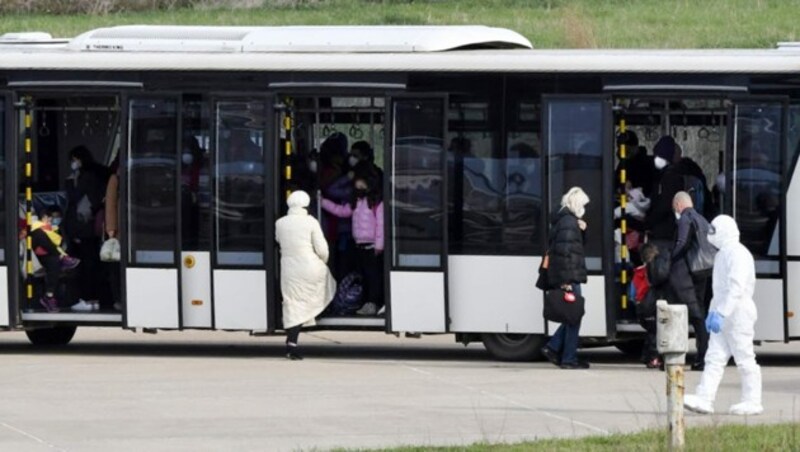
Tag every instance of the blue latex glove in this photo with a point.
(714, 321)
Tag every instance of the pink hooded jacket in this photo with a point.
(367, 223)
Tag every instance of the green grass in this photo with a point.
(548, 24)
(765, 438)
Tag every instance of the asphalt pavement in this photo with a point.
(195, 391)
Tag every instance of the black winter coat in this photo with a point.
(660, 219)
(567, 257)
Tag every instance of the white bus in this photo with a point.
(477, 135)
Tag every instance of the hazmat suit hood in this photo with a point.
(723, 232)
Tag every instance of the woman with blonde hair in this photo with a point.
(567, 270)
(306, 283)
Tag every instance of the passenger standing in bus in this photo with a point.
(362, 154)
(567, 270)
(111, 229)
(660, 221)
(307, 285)
(85, 190)
(336, 184)
(689, 288)
(366, 210)
(638, 165)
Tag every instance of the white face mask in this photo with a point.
(677, 215)
(660, 163)
(187, 158)
(312, 166)
(353, 161)
(75, 165)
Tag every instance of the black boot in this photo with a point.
(291, 353)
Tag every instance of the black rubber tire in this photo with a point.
(52, 336)
(632, 348)
(514, 347)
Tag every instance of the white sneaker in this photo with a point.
(82, 306)
(382, 310)
(368, 309)
(95, 305)
(697, 404)
(747, 409)
(118, 306)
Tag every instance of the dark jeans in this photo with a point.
(292, 335)
(114, 280)
(565, 340)
(650, 349)
(369, 267)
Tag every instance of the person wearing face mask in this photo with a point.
(689, 288)
(366, 210)
(732, 322)
(566, 269)
(362, 154)
(46, 243)
(660, 221)
(85, 192)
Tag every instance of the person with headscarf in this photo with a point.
(307, 285)
(566, 269)
(731, 321)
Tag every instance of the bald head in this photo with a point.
(681, 201)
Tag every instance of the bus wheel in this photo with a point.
(632, 348)
(56, 335)
(514, 347)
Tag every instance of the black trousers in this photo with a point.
(52, 271)
(89, 271)
(292, 335)
(369, 267)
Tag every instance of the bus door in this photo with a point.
(756, 196)
(243, 219)
(792, 216)
(415, 200)
(578, 148)
(150, 213)
(8, 215)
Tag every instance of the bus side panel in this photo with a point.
(793, 287)
(494, 294)
(422, 310)
(152, 297)
(4, 312)
(769, 301)
(240, 300)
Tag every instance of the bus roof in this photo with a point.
(307, 39)
(395, 49)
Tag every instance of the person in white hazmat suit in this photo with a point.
(307, 285)
(731, 320)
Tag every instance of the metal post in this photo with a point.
(673, 343)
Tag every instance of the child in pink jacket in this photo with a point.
(366, 211)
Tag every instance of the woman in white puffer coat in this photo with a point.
(306, 282)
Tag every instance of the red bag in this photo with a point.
(640, 282)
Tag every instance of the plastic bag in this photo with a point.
(110, 251)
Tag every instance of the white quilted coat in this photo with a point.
(306, 282)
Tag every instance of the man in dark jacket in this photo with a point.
(660, 222)
(689, 289)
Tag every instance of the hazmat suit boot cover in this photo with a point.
(751, 393)
(698, 404)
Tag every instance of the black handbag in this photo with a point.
(558, 307)
(701, 253)
(541, 281)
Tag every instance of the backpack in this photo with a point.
(348, 296)
(697, 191)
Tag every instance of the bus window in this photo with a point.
(2, 178)
(152, 185)
(195, 176)
(240, 179)
(575, 150)
(417, 183)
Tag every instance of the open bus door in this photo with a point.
(792, 216)
(578, 149)
(756, 197)
(9, 311)
(416, 206)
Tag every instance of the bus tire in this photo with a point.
(52, 336)
(632, 348)
(514, 347)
